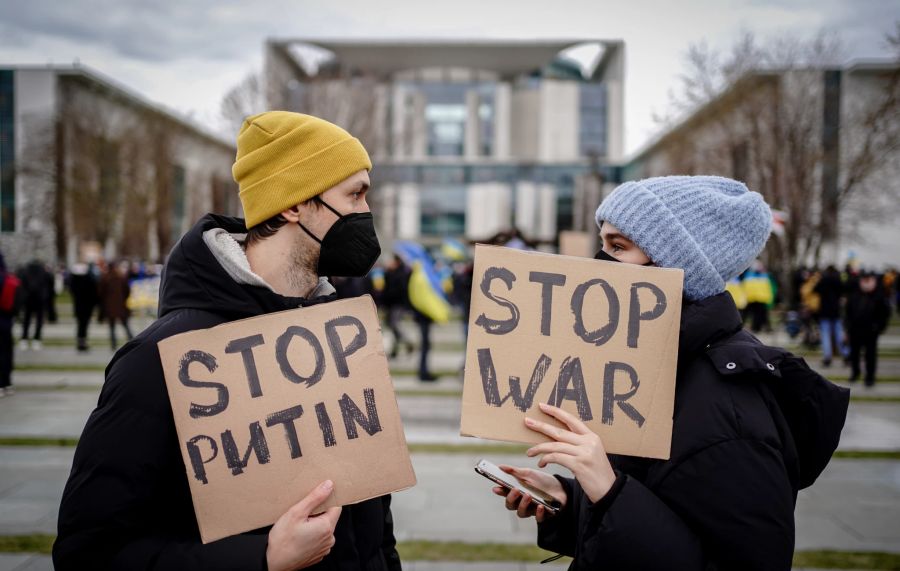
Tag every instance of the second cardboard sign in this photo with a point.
(599, 339)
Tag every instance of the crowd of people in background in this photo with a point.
(847, 311)
(106, 290)
(102, 291)
(390, 284)
(841, 312)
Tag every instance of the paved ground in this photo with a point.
(38, 563)
(854, 506)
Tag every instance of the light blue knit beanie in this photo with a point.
(709, 226)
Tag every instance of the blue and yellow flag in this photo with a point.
(377, 277)
(426, 291)
(454, 250)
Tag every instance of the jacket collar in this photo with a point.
(706, 321)
(195, 279)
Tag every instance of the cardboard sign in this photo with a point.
(599, 339)
(578, 244)
(267, 408)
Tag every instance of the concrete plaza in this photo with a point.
(855, 505)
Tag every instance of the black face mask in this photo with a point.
(602, 255)
(350, 247)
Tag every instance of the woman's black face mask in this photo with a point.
(350, 247)
(602, 255)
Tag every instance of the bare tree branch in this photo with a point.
(244, 99)
(761, 119)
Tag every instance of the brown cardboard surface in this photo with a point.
(344, 394)
(542, 320)
(579, 244)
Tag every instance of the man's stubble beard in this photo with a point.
(302, 274)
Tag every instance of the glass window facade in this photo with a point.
(443, 210)
(445, 118)
(487, 96)
(443, 200)
(446, 113)
(593, 117)
(7, 152)
(443, 189)
(446, 98)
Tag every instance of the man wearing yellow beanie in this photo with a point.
(288, 166)
(127, 504)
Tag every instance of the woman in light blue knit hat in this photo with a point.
(752, 424)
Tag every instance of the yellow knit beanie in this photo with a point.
(286, 158)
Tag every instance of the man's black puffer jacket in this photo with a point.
(127, 504)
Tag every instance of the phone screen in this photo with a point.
(492, 472)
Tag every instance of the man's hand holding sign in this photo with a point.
(302, 537)
(603, 341)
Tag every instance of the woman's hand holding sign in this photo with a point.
(579, 449)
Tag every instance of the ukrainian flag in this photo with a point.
(454, 250)
(736, 289)
(758, 288)
(426, 292)
(377, 277)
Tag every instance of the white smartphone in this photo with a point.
(493, 473)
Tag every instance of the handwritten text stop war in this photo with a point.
(570, 383)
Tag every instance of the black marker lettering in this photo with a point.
(257, 444)
(610, 396)
(208, 361)
(497, 326)
(353, 416)
(197, 461)
(602, 335)
(325, 425)
(570, 372)
(635, 315)
(281, 347)
(492, 391)
(339, 352)
(548, 280)
(245, 346)
(286, 418)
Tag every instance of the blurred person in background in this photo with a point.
(82, 284)
(395, 300)
(113, 291)
(810, 304)
(868, 312)
(424, 322)
(54, 286)
(891, 287)
(350, 287)
(37, 287)
(830, 288)
(10, 298)
(760, 294)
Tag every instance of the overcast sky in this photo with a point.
(185, 54)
